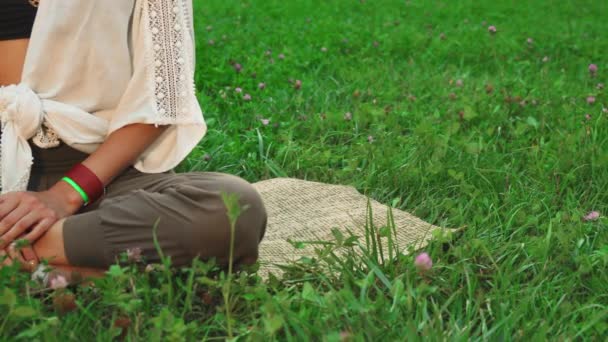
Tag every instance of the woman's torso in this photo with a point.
(13, 58)
(16, 22)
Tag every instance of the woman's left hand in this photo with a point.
(28, 215)
(25, 255)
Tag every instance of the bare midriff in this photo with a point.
(12, 60)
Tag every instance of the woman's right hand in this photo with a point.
(24, 215)
(28, 215)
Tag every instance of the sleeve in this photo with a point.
(161, 90)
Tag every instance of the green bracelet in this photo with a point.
(77, 187)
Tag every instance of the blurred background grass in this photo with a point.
(417, 104)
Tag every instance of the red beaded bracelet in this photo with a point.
(87, 181)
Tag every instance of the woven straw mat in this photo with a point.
(300, 210)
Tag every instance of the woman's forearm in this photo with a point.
(119, 151)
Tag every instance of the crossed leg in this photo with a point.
(186, 211)
(49, 247)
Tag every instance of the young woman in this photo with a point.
(97, 106)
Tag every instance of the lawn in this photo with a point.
(488, 116)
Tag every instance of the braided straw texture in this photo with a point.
(300, 210)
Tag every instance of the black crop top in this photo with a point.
(16, 19)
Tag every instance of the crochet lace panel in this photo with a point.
(169, 54)
(46, 138)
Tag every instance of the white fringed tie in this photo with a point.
(22, 113)
(94, 67)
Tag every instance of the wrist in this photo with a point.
(85, 182)
(71, 200)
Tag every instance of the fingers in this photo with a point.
(18, 221)
(29, 253)
(20, 212)
(39, 229)
(6, 207)
(16, 253)
(4, 259)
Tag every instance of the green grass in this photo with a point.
(508, 156)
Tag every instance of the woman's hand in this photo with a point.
(28, 215)
(25, 255)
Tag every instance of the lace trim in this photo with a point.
(46, 138)
(25, 177)
(169, 53)
(23, 181)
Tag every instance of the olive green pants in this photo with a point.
(185, 209)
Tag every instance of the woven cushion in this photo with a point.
(300, 210)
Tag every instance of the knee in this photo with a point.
(250, 224)
(204, 191)
(249, 199)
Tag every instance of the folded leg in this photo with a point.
(185, 210)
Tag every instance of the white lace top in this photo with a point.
(93, 67)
